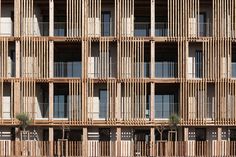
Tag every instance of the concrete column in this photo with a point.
(118, 141)
(152, 18)
(51, 17)
(51, 95)
(185, 134)
(152, 103)
(17, 58)
(50, 139)
(219, 133)
(118, 104)
(85, 142)
(152, 140)
(152, 59)
(51, 58)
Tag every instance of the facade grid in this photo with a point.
(103, 77)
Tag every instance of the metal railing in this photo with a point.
(166, 69)
(102, 70)
(67, 69)
(103, 112)
(161, 29)
(141, 28)
(139, 70)
(195, 70)
(6, 28)
(59, 28)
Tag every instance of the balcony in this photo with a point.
(141, 29)
(195, 70)
(42, 110)
(67, 69)
(36, 28)
(166, 69)
(59, 28)
(202, 29)
(161, 29)
(140, 70)
(107, 29)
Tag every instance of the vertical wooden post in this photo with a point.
(118, 141)
(152, 141)
(152, 18)
(51, 17)
(118, 102)
(185, 134)
(85, 142)
(51, 138)
(51, 59)
(152, 66)
(17, 58)
(152, 103)
(219, 134)
(51, 95)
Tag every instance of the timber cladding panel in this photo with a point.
(129, 87)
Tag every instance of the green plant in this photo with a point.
(174, 120)
(24, 120)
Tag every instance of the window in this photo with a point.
(106, 23)
(200, 134)
(103, 95)
(202, 24)
(165, 105)
(60, 106)
(198, 64)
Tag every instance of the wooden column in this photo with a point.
(152, 103)
(51, 95)
(219, 133)
(17, 58)
(51, 17)
(118, 141)
(152, 18)
(118, 104)
(50, 139)
(85, 142)
(152, 60)
(185, 134)
(152, 139)
(51, 59)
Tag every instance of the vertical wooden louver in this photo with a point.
(93, 18)
(35, 57)
(183, 16)
(27, 17)
(4, 66)
(131, 58)
(75, 101)
(74, 18)
(125, 12)
(224, 18)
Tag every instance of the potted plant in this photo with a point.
(24, 123)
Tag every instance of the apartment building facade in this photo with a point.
(116, 70)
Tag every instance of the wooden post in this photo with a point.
(51, 17)
(85, 142)
(152, 141)
(152, 103)
(219, 133)
(118, 141)
(185, 134)
(152, 18)
(51, 138)
(51, 95)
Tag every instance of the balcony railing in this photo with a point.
(102, 70)
(127, 114)
(103, 111)
(67, 69)
(138, 70)
(6, 28)
(59, 28)
(141, 29)
(36, 28)
(161, 29)
(166, 109)
(10, 70)
(195, 70)
(166, 69)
